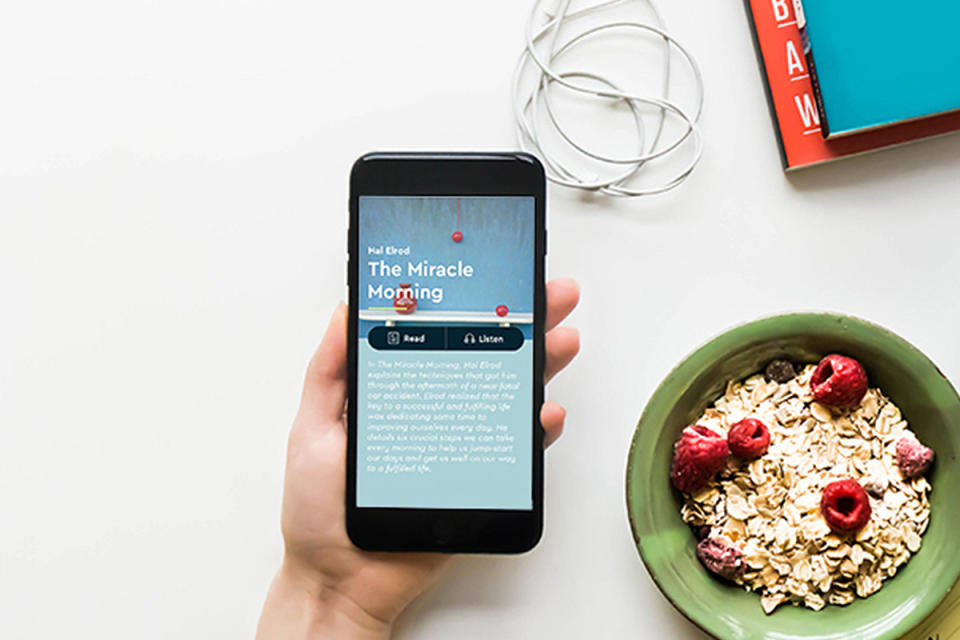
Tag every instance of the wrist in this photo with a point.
(306, 607)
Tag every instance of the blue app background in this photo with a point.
(497, 241)
(435, 453)
(475, 484)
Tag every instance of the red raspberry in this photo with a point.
(913, 458)
(697, 456)
(838, 381)
(748, 439)
(845, 506)
(721, 558)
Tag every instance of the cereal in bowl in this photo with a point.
(819, 494)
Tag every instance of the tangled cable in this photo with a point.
(526, 102)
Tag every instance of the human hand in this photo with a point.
(326, 587)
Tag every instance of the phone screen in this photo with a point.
(445, 354)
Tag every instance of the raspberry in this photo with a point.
(748, 439)
(845, 506)
(697, 456)
(720, 557)
(838, 381)
(913, 458)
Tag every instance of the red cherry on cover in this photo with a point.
(502, 310)
(404, 301)
(457, 236)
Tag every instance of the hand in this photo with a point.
(326, 587)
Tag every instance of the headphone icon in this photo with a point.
(469, 338)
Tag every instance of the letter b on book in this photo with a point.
(781, 10)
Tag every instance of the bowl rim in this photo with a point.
(737, 328)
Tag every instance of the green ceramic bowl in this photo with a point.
(667, 546)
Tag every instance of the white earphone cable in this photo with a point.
(527, 101)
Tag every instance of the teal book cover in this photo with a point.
(878, 62)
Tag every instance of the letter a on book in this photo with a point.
(794, 60)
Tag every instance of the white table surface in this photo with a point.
(172, 204)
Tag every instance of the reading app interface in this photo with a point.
(445, 354)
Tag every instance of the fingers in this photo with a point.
(552, 416)
(561, 346)
(325, 387)
(562, 296)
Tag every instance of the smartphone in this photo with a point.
(445, 352)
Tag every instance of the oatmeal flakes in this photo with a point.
(769, 508)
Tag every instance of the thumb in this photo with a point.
(325, 388)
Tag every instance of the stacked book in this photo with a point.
(851, 76)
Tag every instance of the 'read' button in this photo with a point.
(407, 338)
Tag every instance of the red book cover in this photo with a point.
(793, 103)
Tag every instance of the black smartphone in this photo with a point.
(445, 352)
